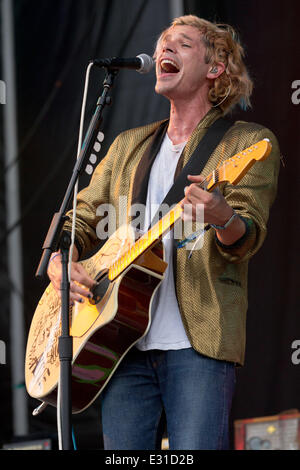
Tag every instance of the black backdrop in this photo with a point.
(54, 41)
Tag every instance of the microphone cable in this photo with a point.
(81, 125)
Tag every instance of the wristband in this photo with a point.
(223, 227)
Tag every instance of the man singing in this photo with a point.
(185, 365)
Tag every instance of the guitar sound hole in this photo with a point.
(101, 287)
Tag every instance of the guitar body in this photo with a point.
(102, 332)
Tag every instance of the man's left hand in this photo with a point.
(216, 210)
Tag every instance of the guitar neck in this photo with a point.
(156, 232)
(147, 240)
(231, 170)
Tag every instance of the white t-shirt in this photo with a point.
(166, 330)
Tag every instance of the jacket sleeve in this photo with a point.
(252, 199)
(88, 200)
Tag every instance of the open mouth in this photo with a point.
(169, 66)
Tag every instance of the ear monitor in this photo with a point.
(214, 70)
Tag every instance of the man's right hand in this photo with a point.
(80, 283)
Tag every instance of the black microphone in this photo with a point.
(142, 63)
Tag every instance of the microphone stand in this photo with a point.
(57, 239)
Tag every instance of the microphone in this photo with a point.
(142, 63)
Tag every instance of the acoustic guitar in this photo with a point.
(105, 328)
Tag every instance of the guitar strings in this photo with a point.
(135, 246)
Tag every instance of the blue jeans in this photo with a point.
(194, 391)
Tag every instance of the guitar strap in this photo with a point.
(197, 161)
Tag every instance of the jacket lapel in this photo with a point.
(141, 178)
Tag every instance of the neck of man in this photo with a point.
(185, 115)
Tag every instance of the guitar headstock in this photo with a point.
(233, 169)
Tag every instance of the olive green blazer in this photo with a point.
(211, 286)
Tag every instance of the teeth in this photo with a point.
(168, 61)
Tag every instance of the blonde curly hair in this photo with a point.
(234, 85)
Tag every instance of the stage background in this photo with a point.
(54, 41)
